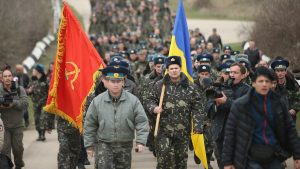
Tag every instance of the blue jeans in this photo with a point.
(275, 164)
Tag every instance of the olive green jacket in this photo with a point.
(115, 122)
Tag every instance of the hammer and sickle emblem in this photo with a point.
(74, 72)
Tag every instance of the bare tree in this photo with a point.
(23, 23)
(277, 30)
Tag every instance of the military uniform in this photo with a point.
(181, 106)
(207, 60)
(69, 144)
(39, 98)
(111, 134)
(290, 89)
(201, 88)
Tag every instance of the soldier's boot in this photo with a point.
(43, 138)
(40, 136)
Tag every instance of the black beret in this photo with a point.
(40, 68)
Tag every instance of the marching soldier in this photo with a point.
(145, 89)
(38, 90)
(287, 86)
(204, 73)
(181, 103)
(111, 122)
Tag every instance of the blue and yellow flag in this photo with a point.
(180, 44)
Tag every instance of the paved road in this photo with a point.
(230, 31)
(42, 155)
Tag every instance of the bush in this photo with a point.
(23, 23)
(277, 29)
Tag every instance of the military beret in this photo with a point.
(159, 49)
(40, 68)
(224, 67)
(114, 72)
(226, 47)
(116, 58)
(236, 52)
(203, 68)
(150, 57)
(132, 51)
(216, 50)
(280, 64)
(244, 62)
(225, 56)
(229, 62)
(152, 35)
(143, 47)
(119, 63)
(159, 60)
(124, 54)
(173, 60)
(244, 56)
(205, 57)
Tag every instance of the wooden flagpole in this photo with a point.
(162, 95)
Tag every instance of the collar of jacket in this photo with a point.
(153, 75)
(107, 97)
(183, 80)
(245, 100)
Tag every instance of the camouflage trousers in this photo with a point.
(13, 140)
(113, 155)
(69, 145)
(39, 118)
(172, 151)
(209, 143)
(150, 140)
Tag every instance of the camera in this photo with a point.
(7, 99)
(214, 90)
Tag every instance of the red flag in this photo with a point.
(75, 69)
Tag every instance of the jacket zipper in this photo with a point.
(265, 120)
(115, 118)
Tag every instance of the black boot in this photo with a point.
(40, 136)
(43, 138)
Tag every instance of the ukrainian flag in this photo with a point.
(180, 44)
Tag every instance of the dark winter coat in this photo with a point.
(240, 128)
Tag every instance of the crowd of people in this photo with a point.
(244, 105)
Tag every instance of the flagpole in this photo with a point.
(162, 95)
